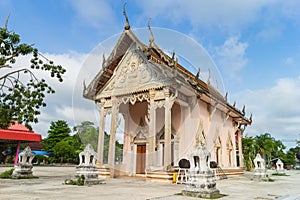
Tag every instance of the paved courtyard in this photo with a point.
(50, 186)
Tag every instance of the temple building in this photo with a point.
(165, 109)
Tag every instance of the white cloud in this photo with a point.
(289, 61)
(226, 15)
(98, 14)
(231, 56)
(290, 9)
(272, 32)
(275, 110)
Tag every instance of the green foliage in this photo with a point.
(268, 180)
(58, 131)
(118, 149)
(7, 173)
(267, 146)
(66, 148)
(22, 93)
(289, 158)
(296, 151)
(87, 133)
(279, 174)
(79, 181)
(40, 159)
(248, 146)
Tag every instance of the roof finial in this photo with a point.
(208, 78)
(244, 110)
(198, 73)
(151, 40)
(6, 21)
(173, 54)
(84, 85)
(127, 25)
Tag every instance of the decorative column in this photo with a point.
(240, 149)
(152, 130)
(101, 133)
(234, 152)
(112, 140)
(167, 149)
(159, 154)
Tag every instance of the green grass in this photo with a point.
(79, 181)
(268, 180)
(7, 175)
(279, 174)
(216, 196)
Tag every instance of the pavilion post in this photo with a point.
(17, 153)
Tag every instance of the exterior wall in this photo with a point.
(213, 127)
(186, 121)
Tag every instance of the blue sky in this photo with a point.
(255, 45)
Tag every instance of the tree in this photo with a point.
(264, 144)
(289, 159)
(87, 133)
(296, 151)
(22, 93)
(248, 146)
(269, 147)
(58, 131)
(64, 151)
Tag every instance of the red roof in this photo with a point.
(19, 132)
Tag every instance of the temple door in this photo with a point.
(140, 159)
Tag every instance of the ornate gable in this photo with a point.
(135, 73)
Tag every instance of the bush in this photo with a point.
(79, 181)
(7, 173)
(40, 159)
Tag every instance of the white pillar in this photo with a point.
(134, 153)
(101, 133)
(152, 131)
(159, 155)
(176, 150)
(234, 151)
(240, 149)
(167, 140)
(112, 140)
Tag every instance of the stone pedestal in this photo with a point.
(279, 167)
(201, 185)
(200, 178)
(87, 166)
(23, 168)
(260, 169)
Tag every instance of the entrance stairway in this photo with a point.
(168, 176)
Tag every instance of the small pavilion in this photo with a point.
(18, 132)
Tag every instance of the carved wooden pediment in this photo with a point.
(135, 74)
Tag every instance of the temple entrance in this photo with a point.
(140, 159)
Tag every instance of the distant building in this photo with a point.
(166, 109)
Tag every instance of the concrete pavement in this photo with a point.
(50, 186)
